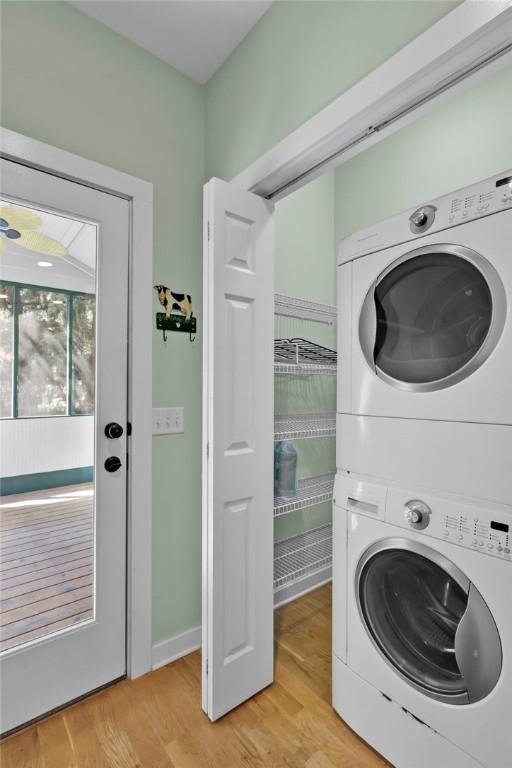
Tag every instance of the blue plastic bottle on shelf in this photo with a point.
(285, 470)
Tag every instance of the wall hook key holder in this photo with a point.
(176, 323)
(178, 312)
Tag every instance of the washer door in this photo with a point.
(432, 318)
(428, 621)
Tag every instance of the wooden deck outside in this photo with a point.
(46, 562)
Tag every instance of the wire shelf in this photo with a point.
(304, 425)
(304, 310)
(299, 356)
(313, 490)
(302, 555)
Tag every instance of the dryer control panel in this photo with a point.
(490, 196)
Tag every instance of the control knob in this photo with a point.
(422, 219)
(413, 516)
(417, 514)
(419, 219)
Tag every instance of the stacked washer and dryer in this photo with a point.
(422, 519)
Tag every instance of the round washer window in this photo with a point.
(412, 608)
(435, 313)
(428, 621)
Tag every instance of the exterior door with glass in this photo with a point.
(63, 441)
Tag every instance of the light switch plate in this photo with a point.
(168, 421)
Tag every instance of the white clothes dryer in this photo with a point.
(425, 345)
(424, 300)
(422, 619)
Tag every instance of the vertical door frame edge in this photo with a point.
(139, 193)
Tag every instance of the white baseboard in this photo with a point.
(301, 587)
(176, 647)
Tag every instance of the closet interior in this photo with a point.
(305, 367)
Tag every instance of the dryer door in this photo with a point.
(428, 621)
(432, 318)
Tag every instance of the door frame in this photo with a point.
(459, 50)
(139, 194)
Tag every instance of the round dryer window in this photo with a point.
(436, 315)
(428, 621)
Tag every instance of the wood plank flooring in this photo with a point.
(46, 562)
(156, 721)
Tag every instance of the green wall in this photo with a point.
(70, 81)
(305, 267)
(297, 59)
(465, 139)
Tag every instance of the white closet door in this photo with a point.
(238, 414)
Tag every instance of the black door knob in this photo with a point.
(113, 430)
(112, 464)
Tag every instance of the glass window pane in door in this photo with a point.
(433, 314)
(47, 511)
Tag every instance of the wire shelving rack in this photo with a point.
(302, 555)
(311, 491)
(302, 309)
(304, 425)
(299, 356)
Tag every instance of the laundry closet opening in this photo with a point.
(305, 368)
(271, 366)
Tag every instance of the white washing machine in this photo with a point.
(422, 625)
(424, 339)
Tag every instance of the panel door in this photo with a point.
(238, 413)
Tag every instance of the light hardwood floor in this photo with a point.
(156, 721)
(46, 562)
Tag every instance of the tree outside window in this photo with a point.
(6, 349)
(83, 353)
(47, 357)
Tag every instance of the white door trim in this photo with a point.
(36, 154)
(464, 38)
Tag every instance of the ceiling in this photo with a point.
(73, 269)
(194, 36)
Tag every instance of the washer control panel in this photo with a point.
(482, 529)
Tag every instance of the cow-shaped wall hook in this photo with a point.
(171, 300)
(174, 303)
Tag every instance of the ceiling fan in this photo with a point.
(19, 226)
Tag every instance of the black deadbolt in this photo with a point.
(113, 430)
(112, 464)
